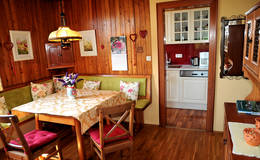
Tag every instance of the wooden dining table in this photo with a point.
(79, 112)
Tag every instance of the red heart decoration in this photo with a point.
(143, 33)
(102, 46)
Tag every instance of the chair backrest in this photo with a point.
(125, 110)
(14, 127)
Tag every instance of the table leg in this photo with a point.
(79, 137)
(38, 124)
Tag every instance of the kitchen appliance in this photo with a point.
(204, 59)
(195, 61)
(194, 73)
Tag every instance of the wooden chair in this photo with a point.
(30, 145)
(113, 137)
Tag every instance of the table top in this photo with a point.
(233, 116)
(82, 108)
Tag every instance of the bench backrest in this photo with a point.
(19, 96)
(112, 82)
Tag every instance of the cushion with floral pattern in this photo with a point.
(130, 89)
(3, 106)
(57, 84)
(40, 90)
(92, 85)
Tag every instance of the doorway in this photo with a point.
(188, 4)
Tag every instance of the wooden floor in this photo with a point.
(186, 118)
(155, 143)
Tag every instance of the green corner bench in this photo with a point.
(112, 82)
(18, 96)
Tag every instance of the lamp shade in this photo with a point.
(64, 33)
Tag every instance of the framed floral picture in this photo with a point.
(88, 46)
(22, 49)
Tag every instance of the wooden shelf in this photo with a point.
(60, 67)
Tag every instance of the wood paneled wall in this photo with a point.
(40, 17)
(111, 18)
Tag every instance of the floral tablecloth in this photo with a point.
(83, 108)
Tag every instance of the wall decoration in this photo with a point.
(88, 46)
(133, 38)
(1, 85)
(118, 53)
(143, 33)
(22, 45)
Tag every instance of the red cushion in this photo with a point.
(36, 138)
(94, 133)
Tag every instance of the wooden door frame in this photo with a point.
(184, 4)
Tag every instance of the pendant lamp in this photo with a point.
(64, 34)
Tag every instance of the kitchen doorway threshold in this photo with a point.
(186, 118)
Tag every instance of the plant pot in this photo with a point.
(252, 137)
(71, 92)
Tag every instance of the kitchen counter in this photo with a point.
(184, 67)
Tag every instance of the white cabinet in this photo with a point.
(186, 92)
(172, 84)
(187, 26)
(193, 90)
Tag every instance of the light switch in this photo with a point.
(178, 55)
(148, 58)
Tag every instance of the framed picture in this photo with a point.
(118, 53)
(1, 85)
(118, 45)
(22, 49)
(88, 45)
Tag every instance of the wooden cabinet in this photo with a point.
(187, 26)
(251, 55)
(58, 57)
(251, 51)
(231, 115)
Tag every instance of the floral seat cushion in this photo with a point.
(92, 85)
(41, 90)
(130, 89)
(36, 138)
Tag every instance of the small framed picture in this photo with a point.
(22, 49)
(88, 46)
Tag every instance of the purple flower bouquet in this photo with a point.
(69, 81)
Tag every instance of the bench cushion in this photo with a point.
(142, 103)
(113, 83)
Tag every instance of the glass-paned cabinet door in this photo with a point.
(256, 41)
(200, 24)
(248, 37)
(181, 26)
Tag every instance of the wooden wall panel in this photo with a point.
(110, 18)
(40, 17)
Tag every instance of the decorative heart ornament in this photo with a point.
(143, 33)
